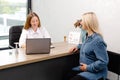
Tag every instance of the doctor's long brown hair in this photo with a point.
(28, 20)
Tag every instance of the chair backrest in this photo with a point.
(14, 34)
(114, 62)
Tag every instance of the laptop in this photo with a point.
(38, 46)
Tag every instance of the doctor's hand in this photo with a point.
(23, 46)
(74, 49)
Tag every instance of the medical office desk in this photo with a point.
(52, 66)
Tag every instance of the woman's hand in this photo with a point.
(74, 49)
(23, 46)
(83, 67)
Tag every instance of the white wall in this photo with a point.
(58, 16)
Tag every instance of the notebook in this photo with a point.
(38, 46)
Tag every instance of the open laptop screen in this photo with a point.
(38, 45)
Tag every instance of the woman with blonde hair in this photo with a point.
(93, 54)
(32, 29)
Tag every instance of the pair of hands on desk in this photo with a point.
(83, 66)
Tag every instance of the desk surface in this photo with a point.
(9, 58)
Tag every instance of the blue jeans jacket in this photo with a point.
(93, 53)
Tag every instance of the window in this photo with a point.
(12, 12)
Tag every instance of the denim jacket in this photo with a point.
(93, 53)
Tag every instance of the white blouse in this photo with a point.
(30, 33)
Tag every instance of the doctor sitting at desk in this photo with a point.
(32, 29)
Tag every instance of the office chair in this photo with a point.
(114, 63)
(14, 35)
